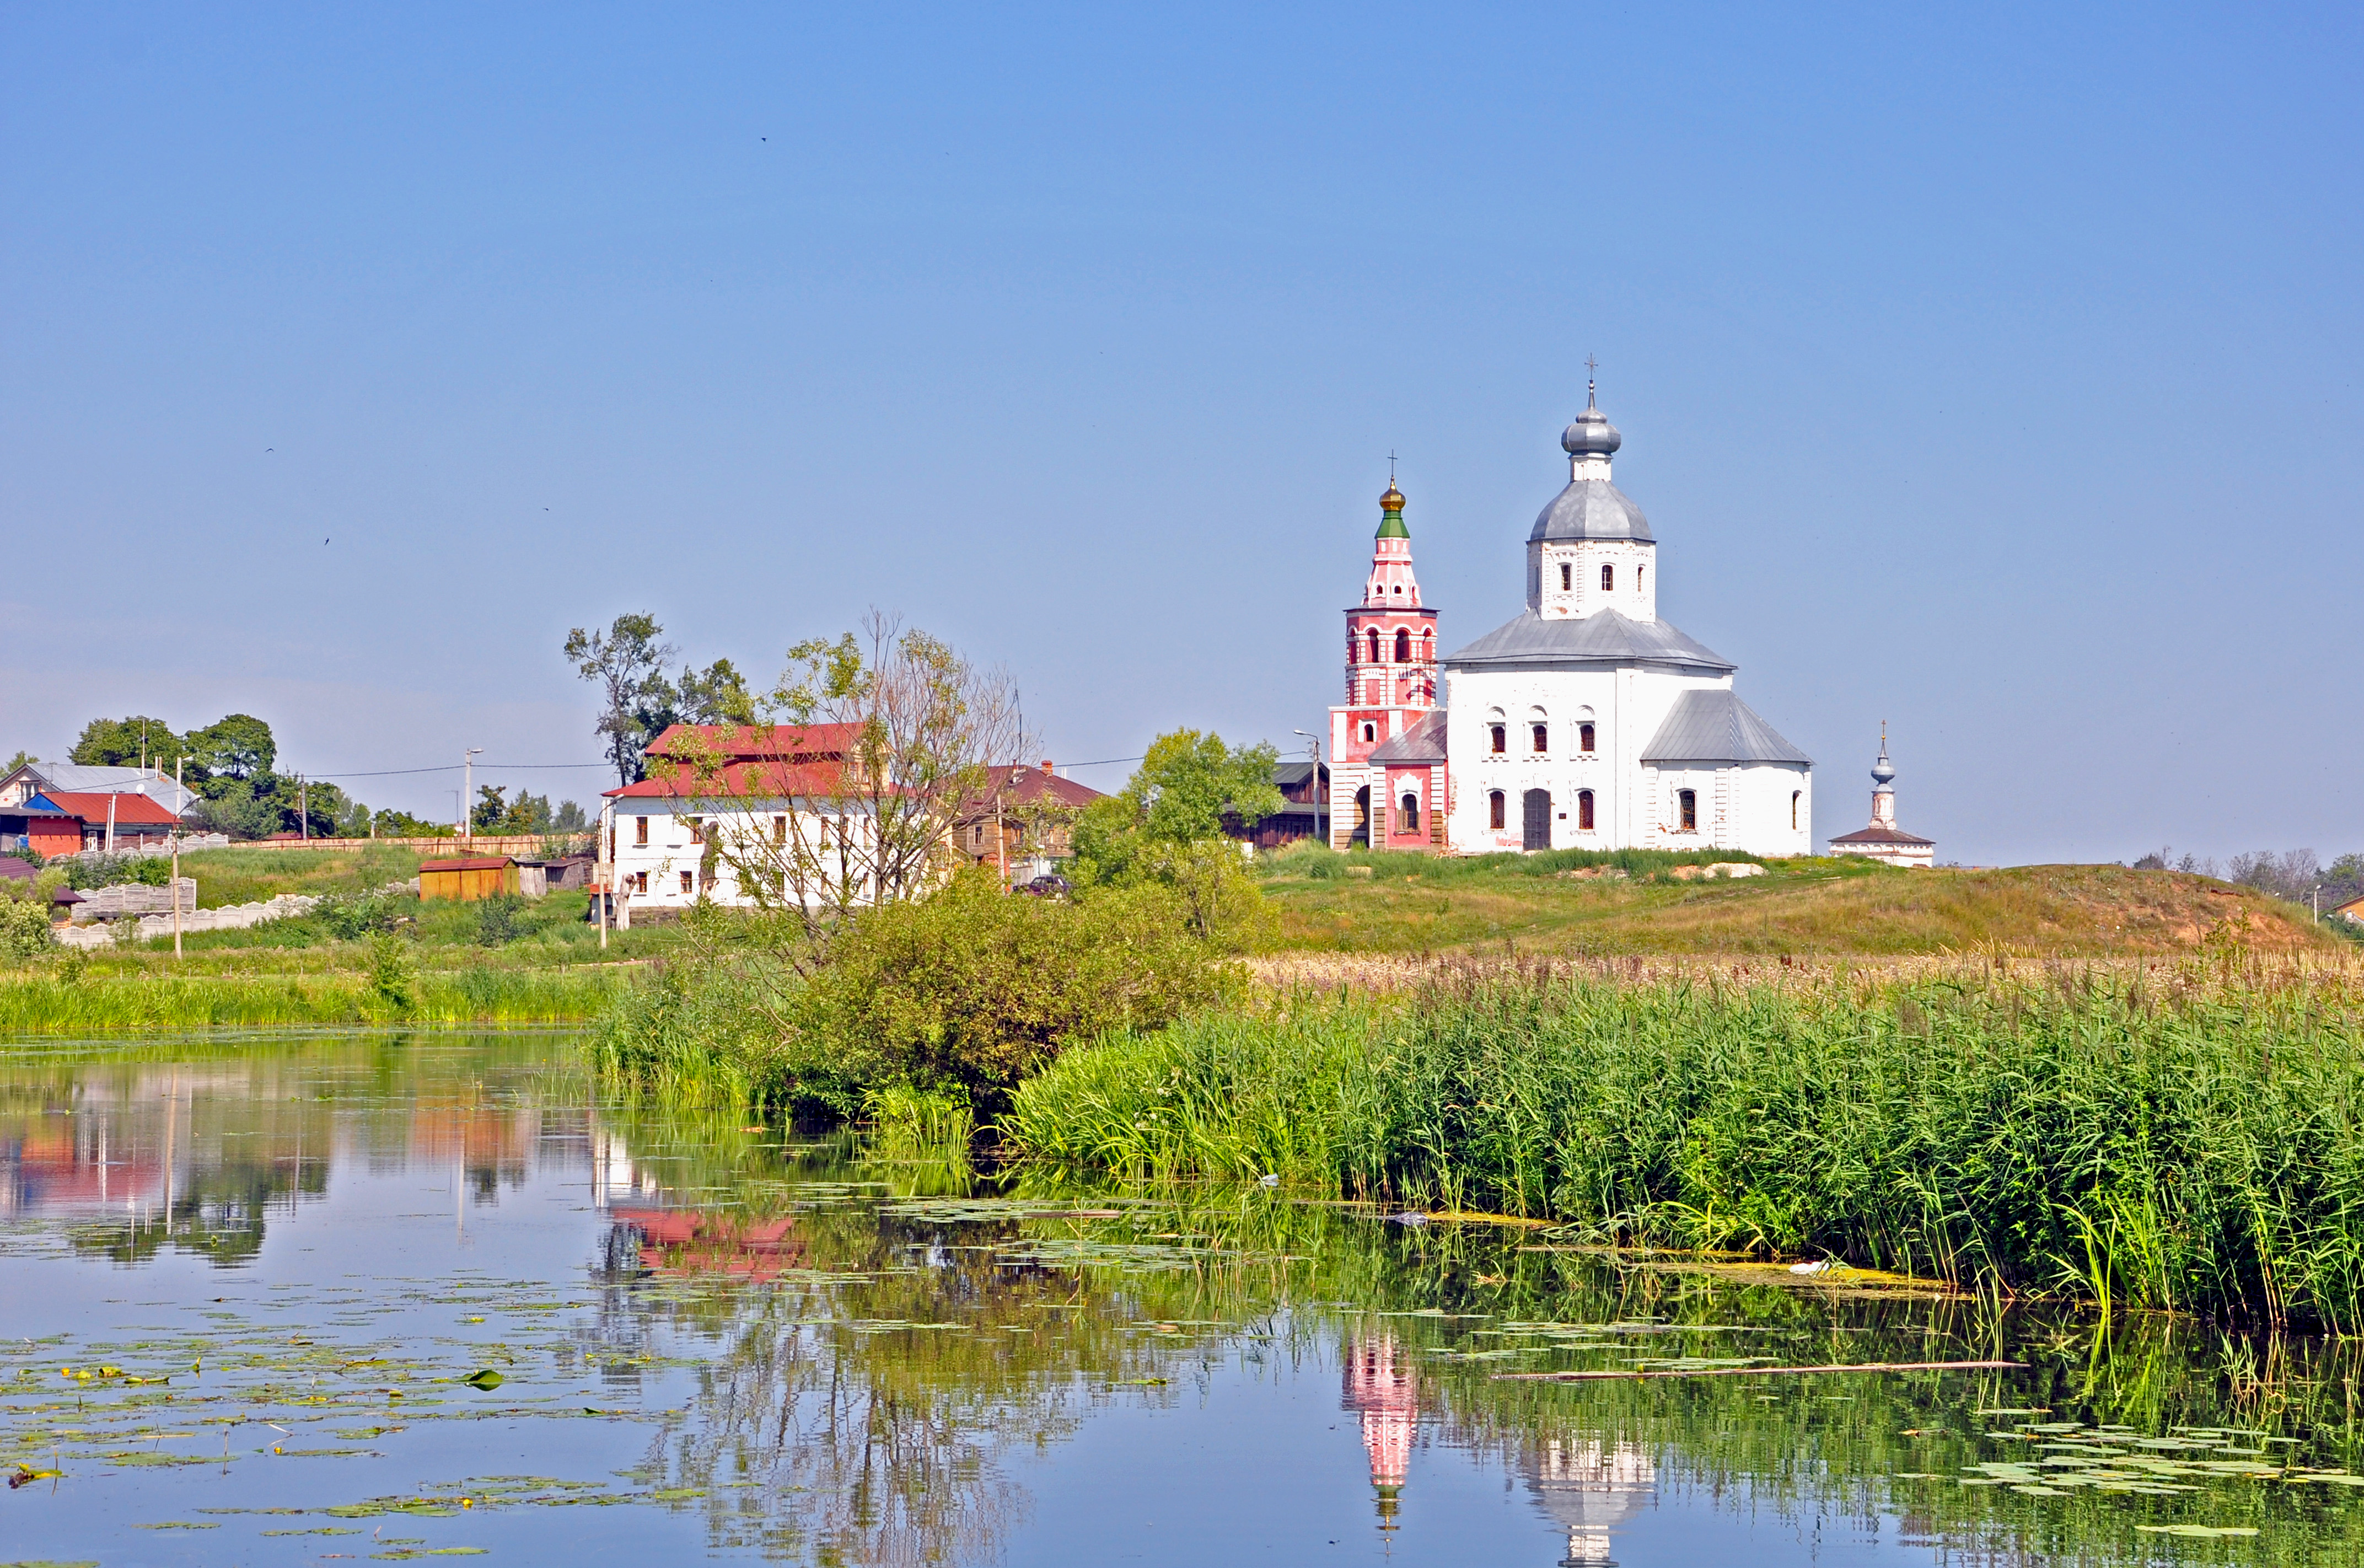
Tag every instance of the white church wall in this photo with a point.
(1633, 592)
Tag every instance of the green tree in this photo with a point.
(127, 743)
(625, 662)
(18, 761)
(25, 912)
(1166, 827)
(717, 695)
(237, 746)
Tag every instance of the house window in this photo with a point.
(1497, 809)
(1501, 736)
(1584, 811)
(1409, 820)
(689, 883)
(1403, 646)
(1370, 732)
(1543, 738)
(1687, 805)
(1374, 645)
(1567, 576)
(697, 830)
(1584, 738)
(1793, 805)
(639, 880)
(640, 830)
(779, 829)
(1608, 579)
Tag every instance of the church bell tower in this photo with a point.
(1390, 683)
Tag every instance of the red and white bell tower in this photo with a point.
(1387, 769)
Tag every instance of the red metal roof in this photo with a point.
(757, 743)
(1025, 785)
(133, 809)
(739, 781)
(470, 863)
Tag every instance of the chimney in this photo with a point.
(1047, 767)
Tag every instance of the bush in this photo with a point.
(499, 919)
(348, 918)
(85, 873)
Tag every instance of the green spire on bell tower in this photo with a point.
(1392, 523)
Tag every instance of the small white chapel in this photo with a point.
(1585, 721)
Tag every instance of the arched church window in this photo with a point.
(1793, 805)
(1584, 738)
(1370, 732)
(1608, 579)
(1543, 736)
(1403, 646)
(1687, 808)
(1409, 822)
(1584, 811)
(1497, 809)
(1566, 575)
(1374, 645)
(1500, 735)
(1637, 577)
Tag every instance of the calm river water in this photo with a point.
(383, 1296)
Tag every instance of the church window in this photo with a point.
(1374, 645)
(1584, 811)
(640, 830)
(1584, 738)
(1543, 736)
(1370, 732)
(1501, 738)
(1497, 809)
(1687, 807)
(1403, 646)
(1409, 821)
(1637, 577)
(1566, 575)
(1608, 579)
(1793, 805)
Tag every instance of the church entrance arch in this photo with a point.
(1537, 808)
(1362, 818)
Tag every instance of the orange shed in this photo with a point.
(465, 881)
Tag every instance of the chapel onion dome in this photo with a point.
(1590, 435)
(1391, 506)
(1882, 773)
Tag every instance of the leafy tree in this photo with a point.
(625, 662)
(1166, 827)
(125, 743)
(392, 824)
(720, 695)
(569, 818)
(237, 746)
(25, 912)
(18, 761)
(496, 814)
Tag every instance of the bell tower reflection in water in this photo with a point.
(1588, 1488)
(1382, 1387)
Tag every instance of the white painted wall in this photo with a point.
(672, 850)
(1635, 567)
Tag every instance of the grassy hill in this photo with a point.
(1581, 904)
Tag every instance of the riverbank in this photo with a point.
(1578, 904)
(2177, 1137)
(65, 999)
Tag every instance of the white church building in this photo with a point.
(1584, 722)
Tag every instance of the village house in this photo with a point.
(31, 779)
(772, 795)
(1304, 813)
(1023, 820)
(67, 822)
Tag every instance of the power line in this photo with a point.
(1104, 762)
(454, 767)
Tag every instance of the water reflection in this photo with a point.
(814, 1354)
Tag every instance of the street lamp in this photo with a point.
(1320, 796)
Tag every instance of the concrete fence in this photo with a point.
(135, 899)
(520, 846)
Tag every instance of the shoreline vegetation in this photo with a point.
(2171, 1137)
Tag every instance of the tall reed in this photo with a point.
(69, 1003)
(2180, 1141)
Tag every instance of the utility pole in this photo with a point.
(468, 794)
(180, 805)
(302, 808)
(1320, 796)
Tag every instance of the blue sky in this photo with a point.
(1992, 373)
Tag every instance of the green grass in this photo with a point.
(249, 876)
(2177, 1138)
(67, 1003)
(1582, 903)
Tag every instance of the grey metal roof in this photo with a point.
(1424, 742)
(80, 778)
(1590, 508)
(1876, 834)
(1717, 727)
(1603, 637)
(1285, 775)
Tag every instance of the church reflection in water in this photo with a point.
(1586, 1487)
(1382, 1387)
